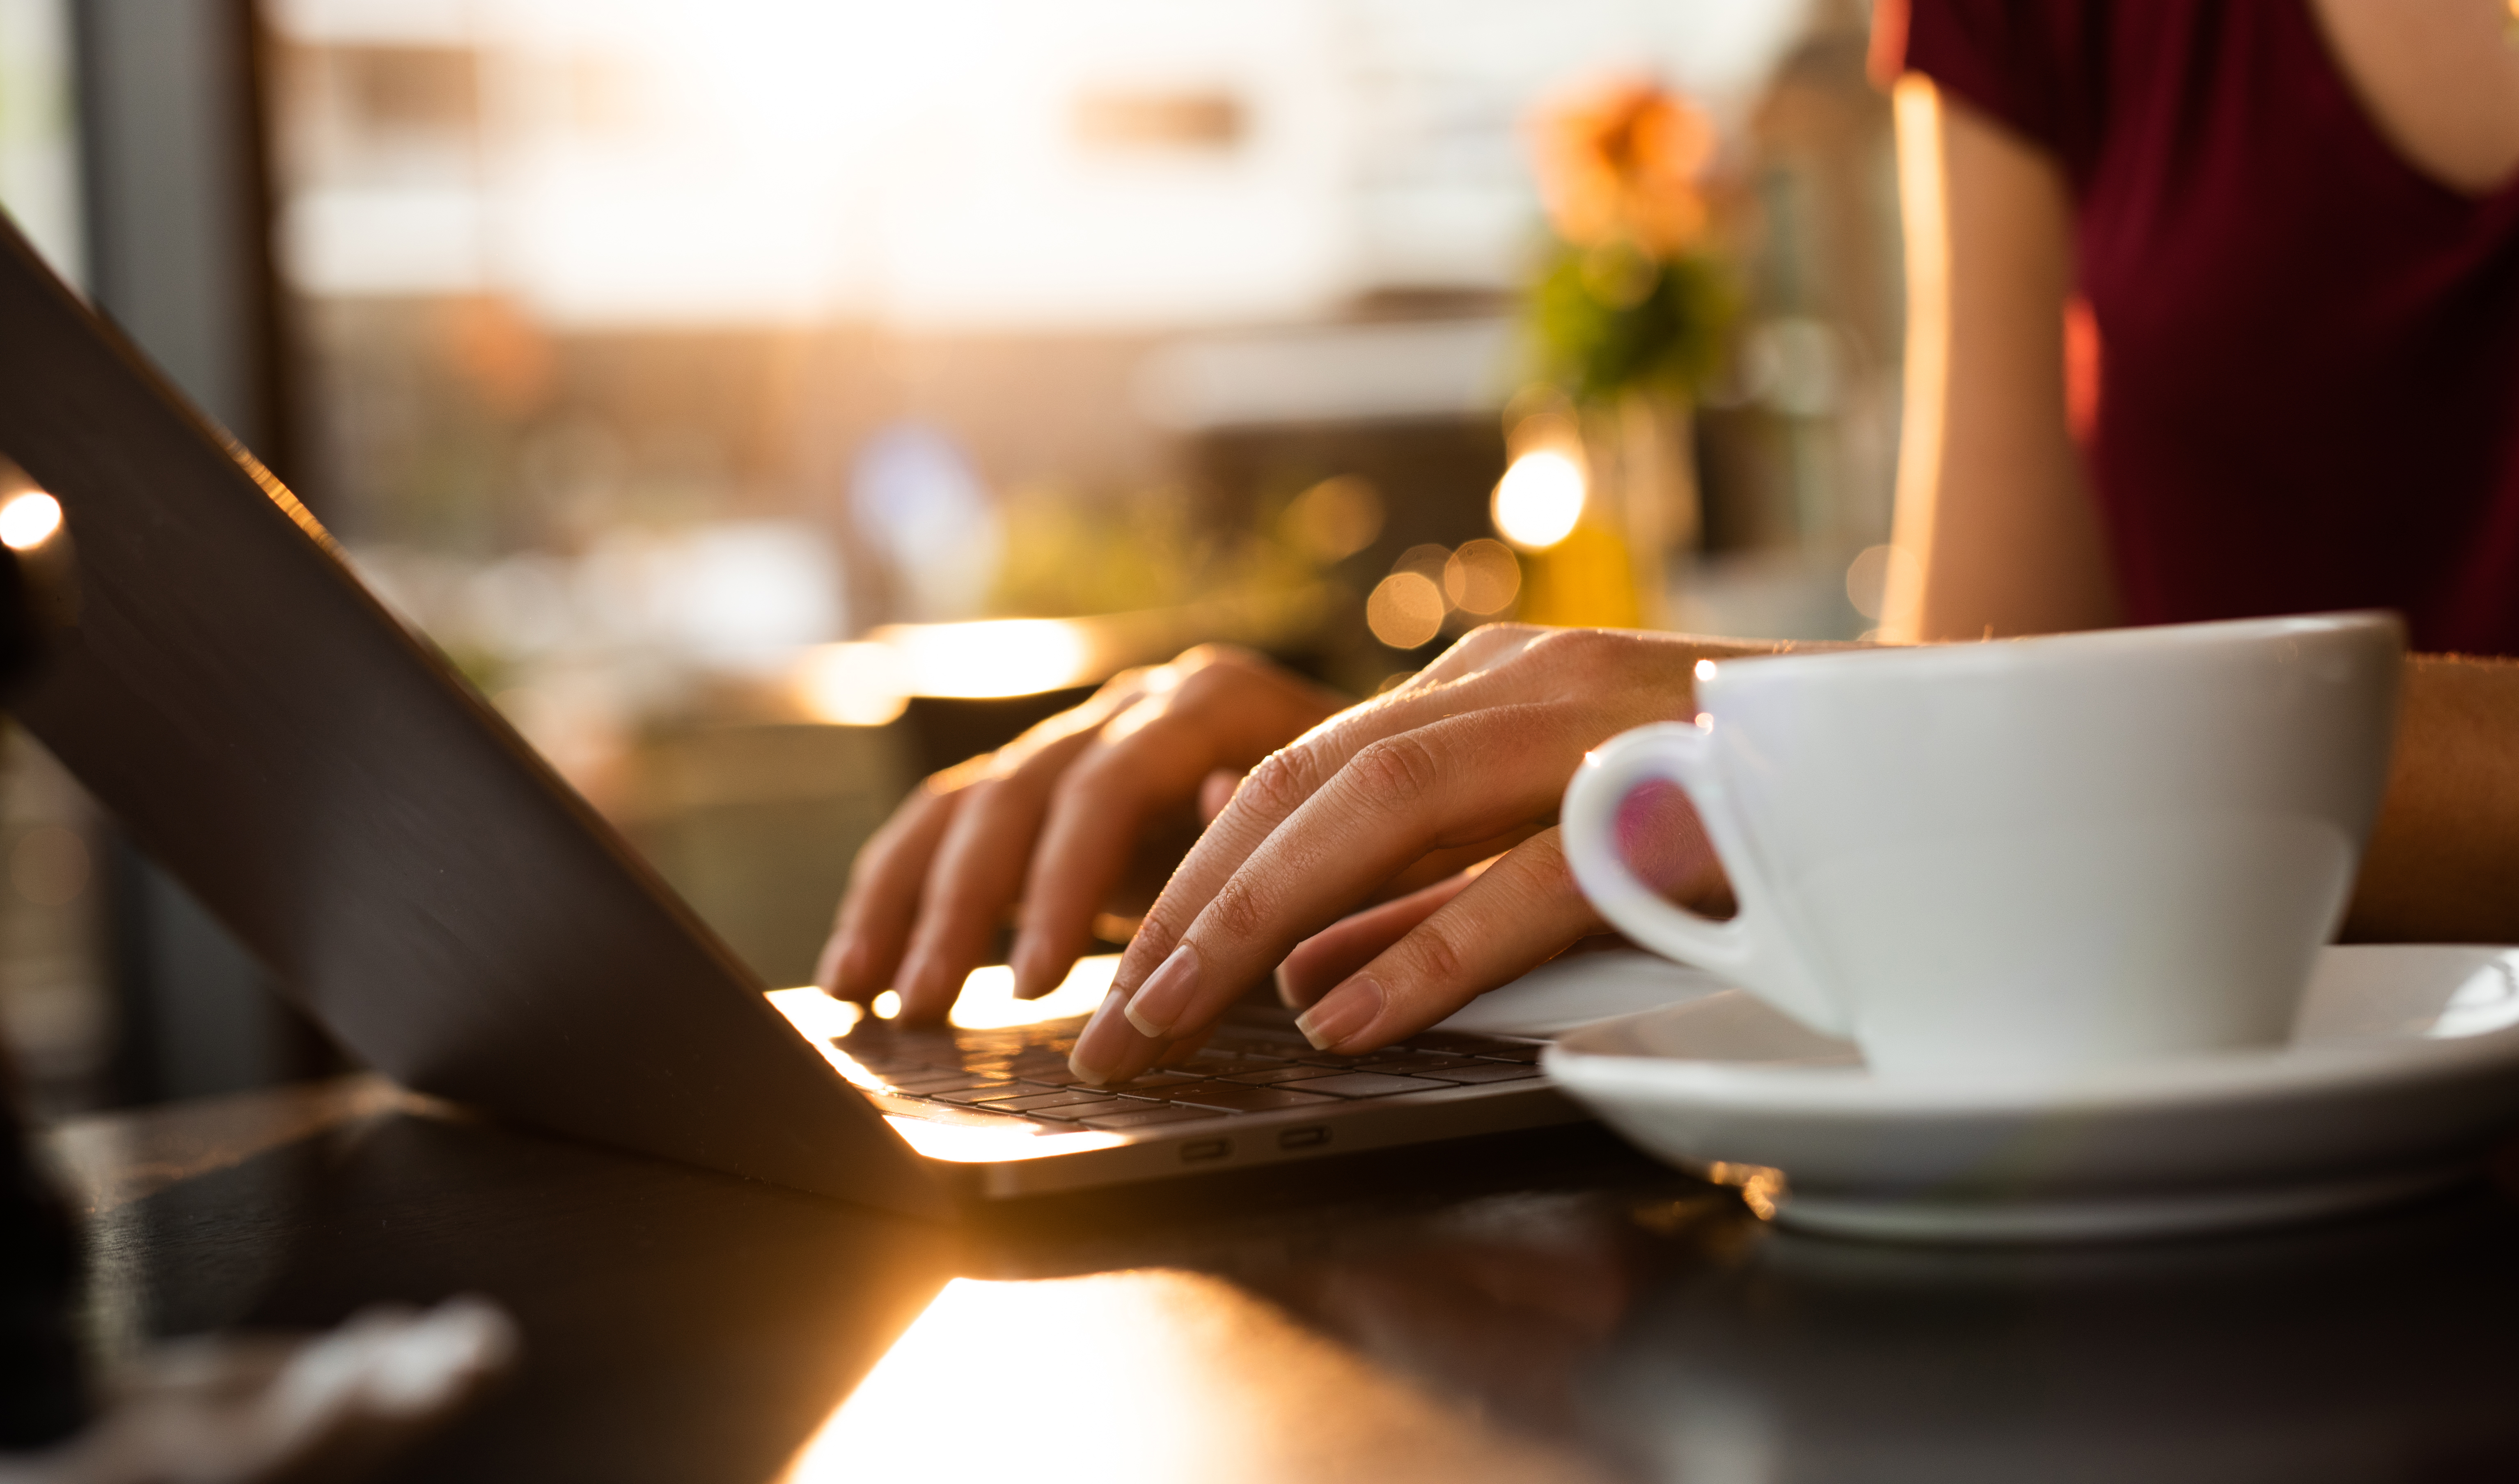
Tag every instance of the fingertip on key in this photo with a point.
(1099, 1046)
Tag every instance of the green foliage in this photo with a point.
(1610, 320)
(1067, 557)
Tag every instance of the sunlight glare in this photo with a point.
(1539, 500)
(990, 657)
(28, 520)
(1117, 1335)
(989, 1002)
(855, 684)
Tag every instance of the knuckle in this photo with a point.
(1401, 769)
(1282, 780)
(1438, 960)
(1239, 914)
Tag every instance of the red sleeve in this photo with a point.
(2034, 65)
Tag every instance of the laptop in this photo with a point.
(422, 884)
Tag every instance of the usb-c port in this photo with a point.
(1310, 1136)
(1205, 1149)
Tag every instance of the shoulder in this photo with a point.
(2040, 67)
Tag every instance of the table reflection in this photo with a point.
(1550, 1308)
(1147, 1375)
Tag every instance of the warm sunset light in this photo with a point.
(1120, 1331)
(1158, 1374)
(990, 657)
(28, 520)
(1539, 500)
(853, 684)
(868, 683)
(989, 1002)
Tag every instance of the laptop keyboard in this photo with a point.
(1243, 1068)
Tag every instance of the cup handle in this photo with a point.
(1745, 947)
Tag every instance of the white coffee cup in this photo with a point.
(2023, 855)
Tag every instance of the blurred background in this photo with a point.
(767, 402)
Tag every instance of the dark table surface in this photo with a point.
(1546, 1306)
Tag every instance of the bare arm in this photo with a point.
(1993, 506)
(2444, 862)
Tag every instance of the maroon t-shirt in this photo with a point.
(2310, 347)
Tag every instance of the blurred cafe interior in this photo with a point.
(768, 402)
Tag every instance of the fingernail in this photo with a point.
(1341, 1013)
(1159, 1002)
(1285, 989)
(1098, 1047)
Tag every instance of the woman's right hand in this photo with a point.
(1052, 820)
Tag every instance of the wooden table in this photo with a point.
(1549, 1307)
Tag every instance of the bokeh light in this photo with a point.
(1871, 575)
(28, 520)
(1539, 500)
(1336, 518)
(1483, 577)
(1405, 610)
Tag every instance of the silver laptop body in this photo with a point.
(417, 878)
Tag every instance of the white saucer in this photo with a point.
(2403, 1068)
(1581, 990)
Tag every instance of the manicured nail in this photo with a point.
(1158, 1004)
(1341, 1013)
(1099, 1046)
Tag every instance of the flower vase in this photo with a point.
(1646, 469)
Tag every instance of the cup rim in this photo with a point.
(1978, 655)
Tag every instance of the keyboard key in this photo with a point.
(1036, 1098)
(1238, 1097)
(936, 1082)
(1145, 1114)
(1489, 1071)
(1454, 1043)
(1210, 1058)
(1268, 1075)
(1414, 1061)
(1507, 1052)
(1364, 1084)
(1077, 1111)
(980, 1094)
(1153, 1083)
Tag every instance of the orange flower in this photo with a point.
(1619, 161)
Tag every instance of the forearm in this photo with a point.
(1994, 512)
(2443, 864)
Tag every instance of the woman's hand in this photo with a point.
(1052, 820)
(1468, 759)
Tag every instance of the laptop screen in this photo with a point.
(322, 780)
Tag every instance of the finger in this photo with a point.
(1443, 865)
(975, 871)
(873, 922)
(1090, 832)
(1320, 961)
(1458, 781)
(1619, 679)
(1156, 756)
(1512, 918)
